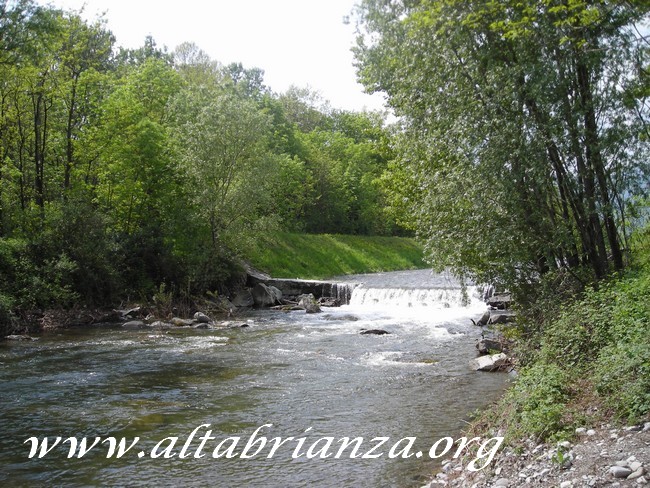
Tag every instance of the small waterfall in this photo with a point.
(437, 298)
(419, 289)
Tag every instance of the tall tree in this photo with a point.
(513, 119)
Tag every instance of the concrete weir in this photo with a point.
(342, 292)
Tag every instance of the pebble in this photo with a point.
(502, 482)
(646, 426)
(591, 432)
(581, 431)
(637, 473)
(620, 471)
(642, 481)
(566, 484)
(634, 465)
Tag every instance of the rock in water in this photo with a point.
(484, 346)
(484, 319)
(179, 322)
(17, 337)
(309, 303)
(374, 332)
(490, 363)
(202, 318)
(263, 296)
(134, 324)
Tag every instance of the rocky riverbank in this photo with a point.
(606, 456)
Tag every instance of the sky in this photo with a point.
(296, 42)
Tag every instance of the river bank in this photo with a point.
(578, 413)
(607, 455)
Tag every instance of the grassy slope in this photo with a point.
(595, 353)
(288, 255)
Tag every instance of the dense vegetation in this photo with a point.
(291, 255)
(123, 170)
(524, 129)
(522, 161)
(588, 361)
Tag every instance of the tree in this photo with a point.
(515, 133)
(222, 139)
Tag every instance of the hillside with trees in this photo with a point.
(124, 170)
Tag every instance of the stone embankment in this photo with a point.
(492, 347)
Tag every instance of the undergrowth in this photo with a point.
(584, 361)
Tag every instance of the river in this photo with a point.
(295, 371)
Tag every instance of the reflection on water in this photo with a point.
(292, 370)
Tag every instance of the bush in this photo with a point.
(538, 400)
(622, 376)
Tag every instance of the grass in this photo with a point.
(309, 256)
(592, 362)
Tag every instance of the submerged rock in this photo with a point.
(19, 337)
(134, 324)
(373, 332)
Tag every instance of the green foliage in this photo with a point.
(517, 154)
(537, 401)
(622, 377)
(594, 350)
(322, 256)
(124, 171)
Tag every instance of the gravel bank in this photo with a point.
(600, 457)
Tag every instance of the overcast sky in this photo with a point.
(300, 42)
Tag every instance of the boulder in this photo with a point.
(263, 296)
(490, 363)
(276, 292)
(501, 301)
(243, 299)
(309, 303)
(484, 346)
(484, 319)
(501, 318)
(202, 318)
(178, 322)
(223, 304)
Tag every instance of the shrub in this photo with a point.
(538, 400)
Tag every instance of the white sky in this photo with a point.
(299, 42)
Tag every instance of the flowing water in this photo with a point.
(293, 370)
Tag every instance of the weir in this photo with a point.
(341, 291)
(412, 297)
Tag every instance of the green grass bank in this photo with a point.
(586, 362)
(311, 256)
